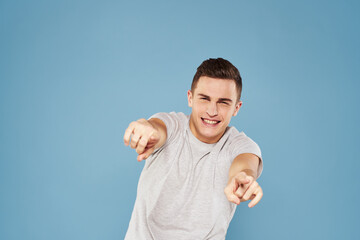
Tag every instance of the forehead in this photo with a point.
(216, 88)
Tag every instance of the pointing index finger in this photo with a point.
(229, 192)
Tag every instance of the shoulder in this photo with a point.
(236, 136)
(177, 116)
(239, 142)
(175, 122)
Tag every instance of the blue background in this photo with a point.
(74, 74)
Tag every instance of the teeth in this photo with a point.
(210, 122)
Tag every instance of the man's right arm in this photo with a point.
(146, 136)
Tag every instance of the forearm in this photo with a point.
(247, 163)
(160, 126)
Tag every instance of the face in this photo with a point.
(213, 102)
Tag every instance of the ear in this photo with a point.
(237, 108)
(189, 95)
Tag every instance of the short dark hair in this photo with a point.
(218, 68)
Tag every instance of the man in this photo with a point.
(197, 168)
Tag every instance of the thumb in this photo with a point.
(145, 154)
(155, 136)
(243, 180)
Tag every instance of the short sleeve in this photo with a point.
(174, 122)
(243, 144)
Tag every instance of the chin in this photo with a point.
(210, 137)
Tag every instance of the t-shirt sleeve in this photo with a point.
(174, 122)
(243, 144)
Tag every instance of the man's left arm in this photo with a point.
(242, 185)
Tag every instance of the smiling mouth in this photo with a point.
(210, 122)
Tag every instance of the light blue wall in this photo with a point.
(74, 74)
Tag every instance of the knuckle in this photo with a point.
(139, 150)
(143, 142)
(144, 139)
(134, 138)
(141, 121)
(227, 191)
(228, 196)
(132, 124)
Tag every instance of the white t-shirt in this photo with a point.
(180, 193)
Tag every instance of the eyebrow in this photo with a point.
(220, 99)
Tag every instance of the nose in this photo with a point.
(212, 110)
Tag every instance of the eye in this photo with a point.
(226, 103)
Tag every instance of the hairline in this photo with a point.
(238, 92)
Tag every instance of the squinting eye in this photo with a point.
(224, 103)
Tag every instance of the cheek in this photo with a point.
(227, 112)
(200, 107)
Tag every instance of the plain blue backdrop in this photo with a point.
(74, 74)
